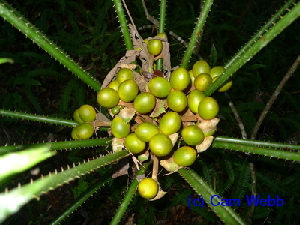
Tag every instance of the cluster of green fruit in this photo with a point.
(185, 110)
(84, 115)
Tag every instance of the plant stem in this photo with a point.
(131, 191)
(123, 24)
(197, 32)
(274, 96)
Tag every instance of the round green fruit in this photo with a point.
(192, 135)
(124, 74)
(185, 156)
(148, 188)
(177, 101)
(115, 110)
(159, 87)
(160, 145)
(119, 128)
(201, 67)
(87, 113)
(134, 144)
(144, 102)
(114, 85)
(202, 81)
(194, 99)
(208, 108)
(225, 87)
(216, 71)
(128, 90)
(155, 47)
(77, 117)
(170, 123)
(82, 131)
(180, 79)
(108, 97)
(145, 131)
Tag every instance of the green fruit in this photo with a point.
(208, 108)
(192, 77)
(201, 67)
(128, 90)
(144, 102)
(82, 131)
(192, 135)
(87, 113)
(216, 71)
(170, 123)
(159, 87)
(202, 81)
(124, 74)
(145, 131)
(180, 79)
(177, 101)
(148, 188)
(155, 47)
(115, 110)
(77, 117)
(114, 85)
(119, 128)
(194, 99)
(134, 144)
(108, 97)
(162, 35)
(160, 145)
(225, 87)
(185, 156)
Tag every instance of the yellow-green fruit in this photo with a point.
(115, 110)
(134, 144)
(225, 87)
(192, 135)
(194, 99)
(108, 97)
(155, 47)
(148, 188)
(128, 90)
(119, 128)
(144, 102)
(159, 87)
(82, 131)
(216, 71)
(192, 77)
(124, 74)
(145, 131)
(180, 79)
(201, 67)
(77, 117)
(87, 113)
(177, 101)
(208, 108)
(202, 81)
(185, 156)
(160, 145)
(114, 85)
(170, 123)
(162, 35)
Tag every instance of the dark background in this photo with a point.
(89, 32)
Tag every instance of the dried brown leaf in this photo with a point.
(205, 144)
